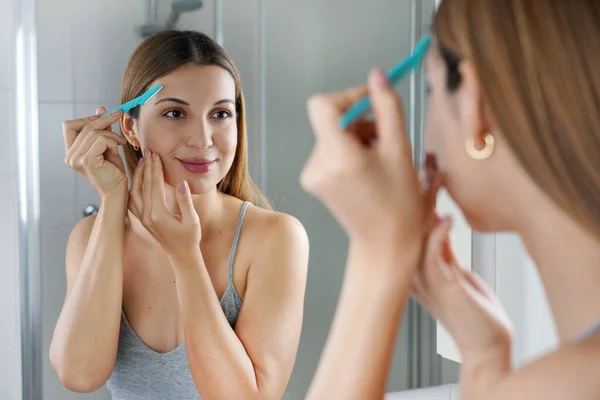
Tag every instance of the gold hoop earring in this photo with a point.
(480, 154)
(136, 147)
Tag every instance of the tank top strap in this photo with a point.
(589, 332)
(236, 239)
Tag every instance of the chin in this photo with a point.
(201, 186)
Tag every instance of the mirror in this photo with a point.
(285, 51)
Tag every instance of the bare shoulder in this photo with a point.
(568, 373)
(276, 230)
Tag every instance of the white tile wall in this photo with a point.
(104, 37)
(10, 335)
(8, 216)
(5, 42)
(55, 55)
(56, 206)
(7, 156)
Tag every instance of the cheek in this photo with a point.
(225, 140)
(157, 137)
(436, 131)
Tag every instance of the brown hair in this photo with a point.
(163, 53)
(538, 63)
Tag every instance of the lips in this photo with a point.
(197, 166)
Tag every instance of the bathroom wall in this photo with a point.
(10, 334)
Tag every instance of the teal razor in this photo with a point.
(395, 75)
(138, 101)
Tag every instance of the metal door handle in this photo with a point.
(90, 209)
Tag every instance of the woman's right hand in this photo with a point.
(92, 151)
(365, 174)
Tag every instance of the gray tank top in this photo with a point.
(141, 373)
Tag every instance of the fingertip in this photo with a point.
(182, 187)
(446, 223)
(441, 230)
(378, 79)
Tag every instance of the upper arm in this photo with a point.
(570, 373)
(76, 247)
(270, 320)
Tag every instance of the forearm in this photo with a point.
(480, 373)
(86, 334)
(356, 359)
(219, 363)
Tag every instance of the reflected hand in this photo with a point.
(466, 306)
(176, 234)
(365, 175)
(92, 151)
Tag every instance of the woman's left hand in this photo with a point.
(176, 234)
(468, 309)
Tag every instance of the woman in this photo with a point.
(176, 293)
(513, 124)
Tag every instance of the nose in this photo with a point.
(199, 136)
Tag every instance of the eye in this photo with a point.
(223, 114)
(174, 114)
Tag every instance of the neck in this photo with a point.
(568, 260)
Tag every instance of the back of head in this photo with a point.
(166, 51)
(538, 66)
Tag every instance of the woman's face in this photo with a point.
(452, 118)
(191, 124)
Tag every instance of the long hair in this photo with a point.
(163, 53)
(537, 63)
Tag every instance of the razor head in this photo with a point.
(395, 75)
(420, 49)
(148, 94)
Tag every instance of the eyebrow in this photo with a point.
(185, 103)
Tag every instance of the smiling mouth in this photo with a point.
(197, 166)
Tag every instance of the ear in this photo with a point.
(474, 114)
(129, 129)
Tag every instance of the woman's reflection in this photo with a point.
(179, 286)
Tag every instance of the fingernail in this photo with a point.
(431, 175)
(94, 117)
(147, 153)
(182, 187)
(116, 113)
(446, 222)
(379, 78)
(140, 161)
(154, 156)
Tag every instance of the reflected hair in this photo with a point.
(537, 66)
(163, 53)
